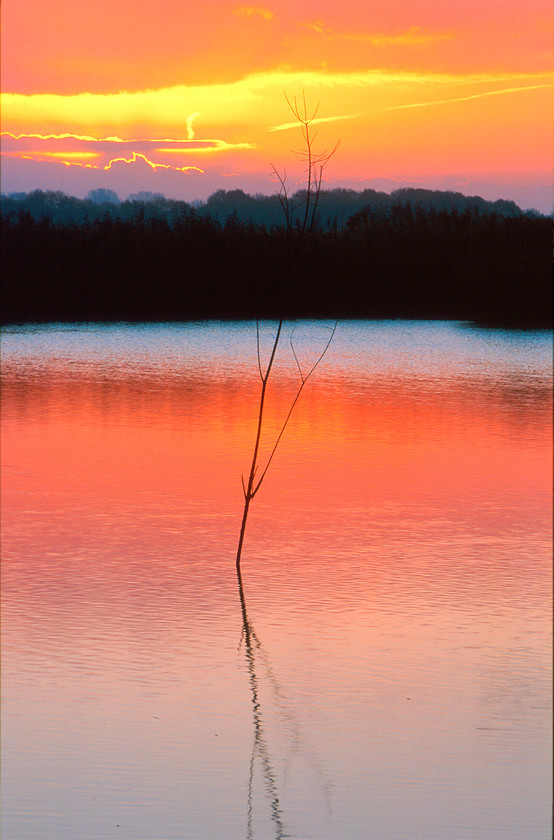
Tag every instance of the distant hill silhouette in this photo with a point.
(412, 254)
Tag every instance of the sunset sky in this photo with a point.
(184, 99)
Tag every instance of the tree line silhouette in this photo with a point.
(415, 254)
(335, 206)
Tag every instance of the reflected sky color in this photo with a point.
(396, 584)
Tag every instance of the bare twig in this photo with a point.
(258, 349)
(283, 196)
(299, 391)
(294, 354)
(315, 165)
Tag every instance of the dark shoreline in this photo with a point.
(411, 263)
(490, 325)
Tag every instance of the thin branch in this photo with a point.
(333, 330)
(315, 164)
(274, 350)
(258, 349)
(294, 354)
(324, 158)
(284, 426)
(282, 195)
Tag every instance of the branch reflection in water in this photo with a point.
(255, 653)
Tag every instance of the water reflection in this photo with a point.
(260, 749)
(401, 549)
(261, 756)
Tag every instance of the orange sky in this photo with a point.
(186, 99)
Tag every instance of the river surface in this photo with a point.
(384, 674)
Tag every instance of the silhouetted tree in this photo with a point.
(103, 196)
(65, 258)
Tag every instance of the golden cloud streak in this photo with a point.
(414, 36)
(216, 146)
(224, 103)
(244, 105)
(70, 155)
(502, 92)
(253, 11)
(64, 136)
(208, 145)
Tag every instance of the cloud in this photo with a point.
(241, 106)
(240, 121)
(79, 150)
(126, 111)
(137, 157)
(414, 36)
(190, 119)
(253, 11)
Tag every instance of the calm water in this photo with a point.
(393, 678)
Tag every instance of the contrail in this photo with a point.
(466, 98)
(286, 126)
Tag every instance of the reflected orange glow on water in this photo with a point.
(126, 438)
(396, 567)
(91, 446)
